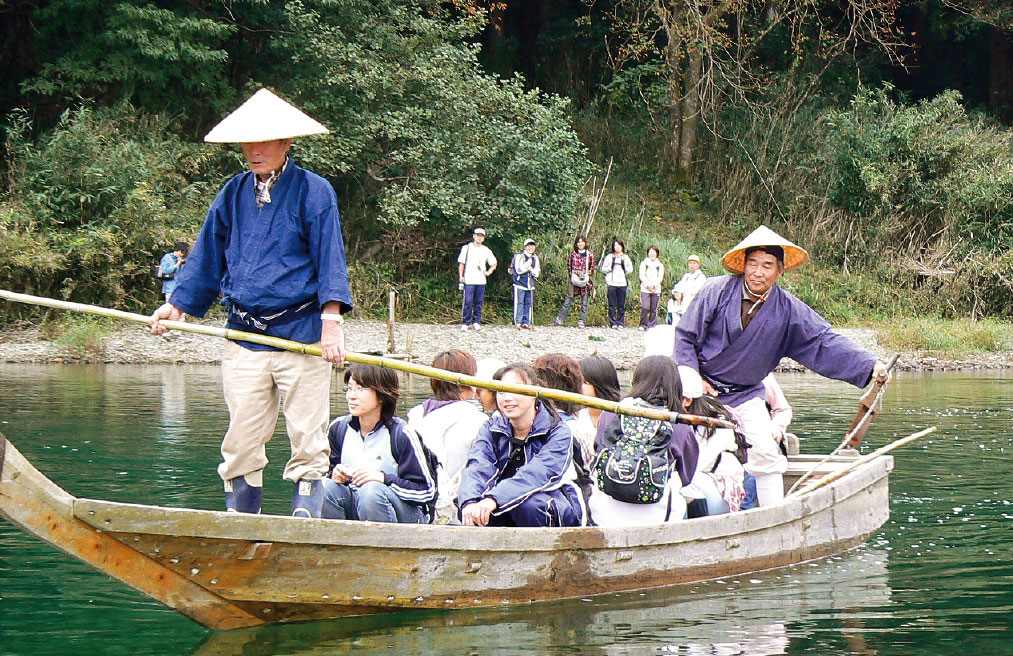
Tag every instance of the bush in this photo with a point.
(91, 206)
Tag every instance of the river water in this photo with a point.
(936, 580)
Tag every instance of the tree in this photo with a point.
(720, 52)
(423, 138)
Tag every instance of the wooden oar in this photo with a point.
(390, 363)
(830, 478)
(866, 413)
(868, 407)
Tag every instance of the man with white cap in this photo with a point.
(272, 245)
(738, 329)
(686, 289)
(524, 270)
(474, 265)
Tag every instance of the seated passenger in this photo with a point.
(379, 470)
(719, 472)
(486, 398)
(520, 468)
(447, 423)
(562, 372)
(601, 381)
(671, 450)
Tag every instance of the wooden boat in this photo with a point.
(226, 571)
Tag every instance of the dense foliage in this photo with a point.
(833, 122)
(93, 202)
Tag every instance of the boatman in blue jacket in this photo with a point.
(271, 244)
(739, 327)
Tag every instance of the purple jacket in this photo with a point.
(710, 339)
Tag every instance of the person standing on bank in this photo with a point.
(652, 272)
(474, 265)
(579, 266)
(616, 266)
(169, 266)
(686, 289)
(738, 329)
(271, 244)
(525, 269)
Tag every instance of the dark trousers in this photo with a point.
(560, 507)
(471, 312)
(649, 309)
(617, 306)
(568, 301)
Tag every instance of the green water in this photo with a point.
(936, 580)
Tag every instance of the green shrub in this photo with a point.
(82, 337)
(91, 205)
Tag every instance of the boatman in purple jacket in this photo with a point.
(739, 327)
(271, 244)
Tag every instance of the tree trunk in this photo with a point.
(495, 34)
(1000, 75)
(690, 115)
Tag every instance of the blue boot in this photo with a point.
(240, 496)
(308, 498)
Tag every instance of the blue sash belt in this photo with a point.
(240, 316)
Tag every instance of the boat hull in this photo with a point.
(226, 570)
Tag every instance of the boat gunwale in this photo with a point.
(127, 518)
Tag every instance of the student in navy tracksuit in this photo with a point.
(378, 467)
(520, 468)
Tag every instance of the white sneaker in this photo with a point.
(476, 326)
(464, 327)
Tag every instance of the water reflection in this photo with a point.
(759, 614)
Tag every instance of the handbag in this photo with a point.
(581, 278)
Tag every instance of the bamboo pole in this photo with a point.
(363, 358)
(830, 478)
(861, 424)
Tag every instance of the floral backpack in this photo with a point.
(636, 466)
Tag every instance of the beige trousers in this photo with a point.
(256, 384)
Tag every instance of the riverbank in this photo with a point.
(133, 345)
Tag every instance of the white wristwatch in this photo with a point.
(329, 316)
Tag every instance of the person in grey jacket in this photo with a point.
(616, 266)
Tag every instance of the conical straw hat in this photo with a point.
(735, 259)
(264, 117)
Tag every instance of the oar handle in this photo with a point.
(379, 361)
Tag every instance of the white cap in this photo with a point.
(486, 367)
(659, 340)
(478, 231)
(264, 117)
(692, 384)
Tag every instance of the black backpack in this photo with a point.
(432, 463)
(635, 468)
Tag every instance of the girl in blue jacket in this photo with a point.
(520, 468)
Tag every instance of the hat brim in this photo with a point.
(264, 117)
(735, 259)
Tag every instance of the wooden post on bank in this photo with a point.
(390, 321)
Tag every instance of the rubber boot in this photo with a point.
(308, 498)
(240, 496)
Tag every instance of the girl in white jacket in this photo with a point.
(448, 424)
(652, 272)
